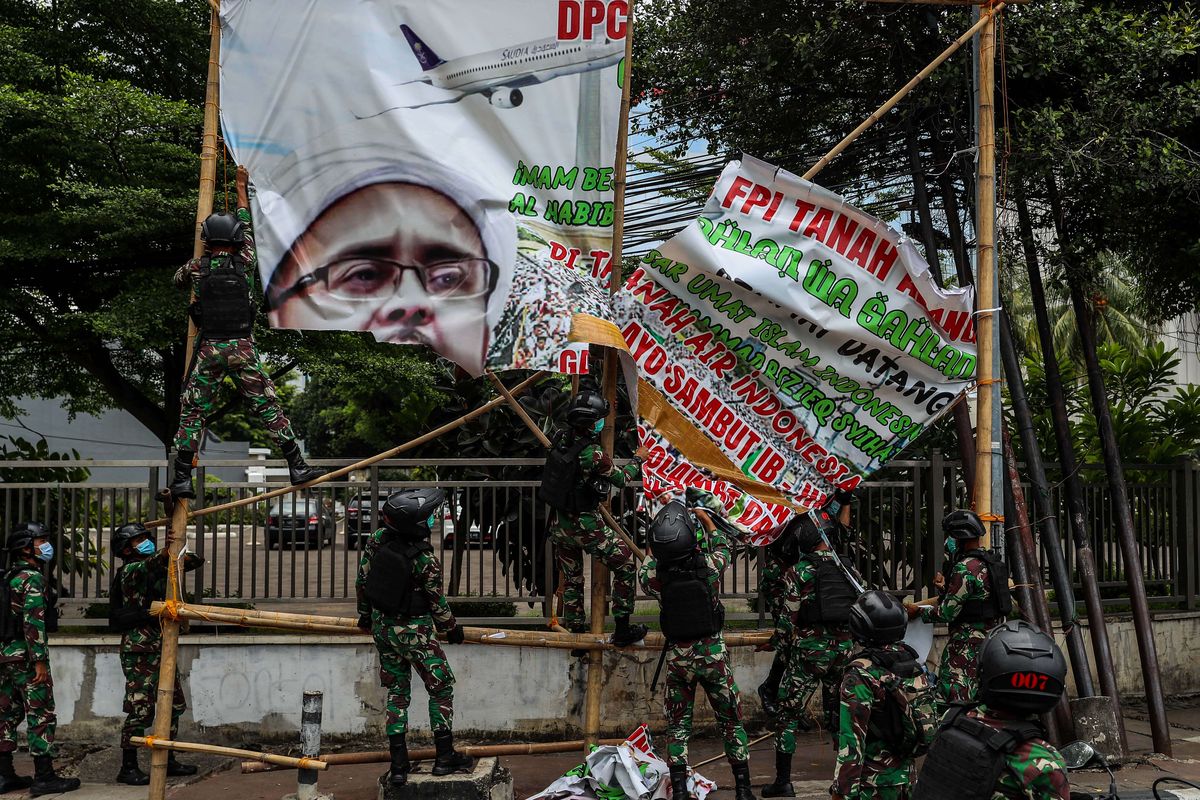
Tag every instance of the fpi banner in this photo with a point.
(435, 173)
(805, 339)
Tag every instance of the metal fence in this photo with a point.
(302, 549)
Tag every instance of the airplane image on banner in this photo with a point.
(500, 75)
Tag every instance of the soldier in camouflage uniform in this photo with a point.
(574, 483)
(998, 749)
(971, 603)
(777, 583)
(684, 575)
(869, 767)
(223, 306)
(401, 603)
(26, 686)
(820, 644)
(141, 580)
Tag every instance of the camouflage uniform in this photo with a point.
(237, 358)
(778, 584)
(407, 642)
(587, 532)
(19, 698)
(144, 580)
(704, 662)
(957, 670)
(1035, 769)
(866, 770)
(817, 654)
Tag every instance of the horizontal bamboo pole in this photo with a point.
(474, 635)
(366, 462)
(426, 753)
(230, 752)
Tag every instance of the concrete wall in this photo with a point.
(248, 688)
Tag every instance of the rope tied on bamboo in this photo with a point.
(305, 763)
(170, 610)
(149, 742)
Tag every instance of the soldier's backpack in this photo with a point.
(968, 756)
(998, 604)
(907, 720)
(121, 617)
(391, 585)
(10, 621)
(689, 607)
(831, 601)
(223, 309)
(564, 488)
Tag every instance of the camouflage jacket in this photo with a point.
(189, 273)
(427, 578)
(144, 580)
(594, 463)
(862, 760)
(806, 592)
(968, 581)
(778, 584)
(717, 555)
(1035, 769)
(27, 596)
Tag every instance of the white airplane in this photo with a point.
(499, 75)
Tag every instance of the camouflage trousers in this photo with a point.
(812, 661)
(141, 690)
(401, 648)
(957, 675)
(704, 663)
(238, 359)
(21, 700)
(588, 533)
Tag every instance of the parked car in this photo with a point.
(474, 537)
(298, 520)
(358, 519)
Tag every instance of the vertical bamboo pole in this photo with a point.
(177, 531)
(987, 429)
(591, 709)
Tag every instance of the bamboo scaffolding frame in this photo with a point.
(157, 745)
(426, 753)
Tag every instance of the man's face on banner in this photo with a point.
(400, 260)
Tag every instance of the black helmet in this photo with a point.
(125, 534)
(673, 533)
(23, 535)
(877, 618)
(1021, 669)
(963, 524)
(222, 228)
(407, 511)
(586, 408)
(785, 547)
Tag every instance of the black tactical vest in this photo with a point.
(830, 603)
(690, 608)
(391, 585)
(124, 618)
(223, 307)
(564, 487)
(998, 603)
(969, 756)
(887, 721)
(10, 620)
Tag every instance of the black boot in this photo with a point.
(768, 690)
(181, 481)
(177, 770)
(449, 760)
(398, 774)
(782, 787)
(627, 634)
(10, 781)
(679, 790)
(46, 781)
(298, 469)
(741, 780)
(131, 774)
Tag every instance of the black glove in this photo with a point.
(843, 497)
(456, 635)
(364, 622)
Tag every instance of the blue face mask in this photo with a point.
(429, 521)
(146, 547)
(951, 546)
(45, 552)
(599, 426)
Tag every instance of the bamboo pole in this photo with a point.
(541, 436)
(426, 753)
(366, 462)
(157, 745)
(177, 531)
(312, 623)
(892, 101)
(749, 744)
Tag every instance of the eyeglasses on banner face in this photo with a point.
(365, 279)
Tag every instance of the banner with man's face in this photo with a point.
(432, 172)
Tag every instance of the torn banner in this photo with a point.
(789, 343)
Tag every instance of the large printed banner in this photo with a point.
(434, 173)
(788, 344)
